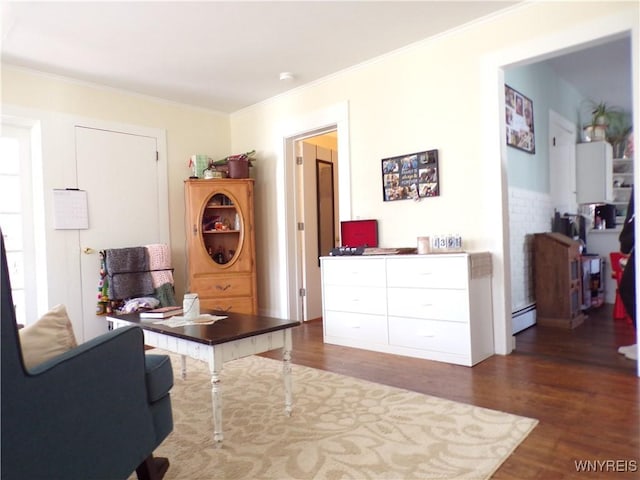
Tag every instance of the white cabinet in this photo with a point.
(594, 173)
(600, 178)
(436, 307)
(622, 183)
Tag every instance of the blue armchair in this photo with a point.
(97, 411)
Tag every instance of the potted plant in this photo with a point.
(601, 114)
(618, 128)
(235, 166)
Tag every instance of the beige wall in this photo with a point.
(53, 101)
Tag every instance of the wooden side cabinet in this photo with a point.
(558, 281)
(221, 244)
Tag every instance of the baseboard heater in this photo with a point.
(523, 318)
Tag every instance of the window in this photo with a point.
(17, 220)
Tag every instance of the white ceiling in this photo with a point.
(600, 72)
(226, 55)
(222, 55)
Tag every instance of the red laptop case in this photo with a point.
(359, 233)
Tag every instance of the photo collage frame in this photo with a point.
(411, 176)
(519, 120)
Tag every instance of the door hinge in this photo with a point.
(300, 226)
(157, 156)
(303, 292)
(298, 160)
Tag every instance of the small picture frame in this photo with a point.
(519, 120)
(411, 176)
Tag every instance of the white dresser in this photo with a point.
(436, 307)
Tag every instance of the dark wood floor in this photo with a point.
(585, 395)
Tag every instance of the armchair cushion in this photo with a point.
(50, 336)
(158, 376)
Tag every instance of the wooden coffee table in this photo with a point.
(234, 337)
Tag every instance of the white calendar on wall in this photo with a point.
(70, 209)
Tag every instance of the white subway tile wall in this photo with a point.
(529, 212)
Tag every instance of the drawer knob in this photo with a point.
(221, 288)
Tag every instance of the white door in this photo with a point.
(311, 295)
(562, 163)
(120, 173)
(310, 298)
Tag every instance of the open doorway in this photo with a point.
(317, 201)
(530, 75)
(332, 119)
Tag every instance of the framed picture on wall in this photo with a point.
(410, 176)
(519, 120)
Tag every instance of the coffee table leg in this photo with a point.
(183, 364)
(215, 367)
(286, 372)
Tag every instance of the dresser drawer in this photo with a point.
(433, 271)
(236, 304)
(433, 304)
(355, 299)
(354, 271)
(360, 327)
(448, 337)
(220, 286)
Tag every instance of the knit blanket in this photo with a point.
(128, 273)
(160, 264)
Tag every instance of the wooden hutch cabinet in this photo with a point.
(221, 244)
(558, 280)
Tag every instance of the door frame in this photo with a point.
(163, 188)
(494, 149)
(332, 118)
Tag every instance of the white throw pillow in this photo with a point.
(49, 337)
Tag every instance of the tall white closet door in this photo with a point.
(562, 164)
(313, 277)
(308, 215)
(311, 270)
(120, 173)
